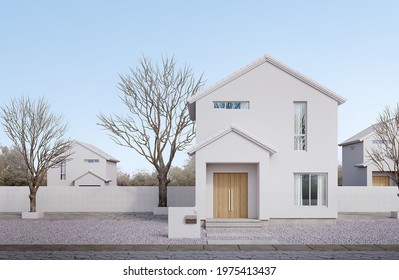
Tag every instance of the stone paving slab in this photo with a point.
(221, 248)
(292, 247)
(186, 248)
(332, 247)
(389, 247)
(150, 247)
(251, 247)
(235, 241)
(366, 247)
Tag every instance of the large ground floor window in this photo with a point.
(310, 189)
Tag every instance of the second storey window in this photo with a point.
(300, 126)
(231, 104)
(91, 160)
(63, 170)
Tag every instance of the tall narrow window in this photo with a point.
(311, 189)
(300, 126)
(63, 170)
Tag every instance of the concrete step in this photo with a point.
(233, 223)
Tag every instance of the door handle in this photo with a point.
(229, 200)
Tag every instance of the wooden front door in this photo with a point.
(230, 195)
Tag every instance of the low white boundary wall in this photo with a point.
(93, 199)
(368, 199)
(144, 199)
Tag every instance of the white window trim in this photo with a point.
(322, 193)
(297, 146)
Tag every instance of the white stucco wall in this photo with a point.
(92, 199)
(272, 93)
(367, 199)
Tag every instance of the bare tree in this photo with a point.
(38, 135)
(385, 152)
(158, 124)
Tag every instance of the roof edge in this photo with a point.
(232, 128)
(92, 173)
(87, 146)
(276, 63)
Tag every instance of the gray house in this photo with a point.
(357, 169)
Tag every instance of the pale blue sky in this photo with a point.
(72, 51)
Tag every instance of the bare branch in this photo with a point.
(385, 152)
(38, 135)
(158, 124)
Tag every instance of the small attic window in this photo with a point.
(91, 160)
(231, 105)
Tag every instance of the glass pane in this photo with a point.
(233, 105)
(299, 143)
(300, 125)
(245, 105)
(323, 188)
(305, 189)
(218, 105)
(314, 190)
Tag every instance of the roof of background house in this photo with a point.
(263, 59)
(359, 137)
(97, 151)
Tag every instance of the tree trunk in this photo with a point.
(163, 190)
(32, 198)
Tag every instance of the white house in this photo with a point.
(266, 145)
(87, 166)
(357, 169)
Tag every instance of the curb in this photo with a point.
(199, 247)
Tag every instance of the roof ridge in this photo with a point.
(259, 61)
(359, 137)
(97, 151)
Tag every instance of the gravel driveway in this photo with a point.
(144, 228)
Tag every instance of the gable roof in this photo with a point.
(267, 59)
(97, 151)
(232, 128)
(359, 137)
(92, 173)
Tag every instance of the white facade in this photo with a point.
(258, 140)
(87, 166)
(357, 168)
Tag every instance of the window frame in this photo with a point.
(302, 126)
(321, 191)
(91, 160)
(231, 105)
(63, 170)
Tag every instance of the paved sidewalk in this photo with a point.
(200, 252)
(119, 236)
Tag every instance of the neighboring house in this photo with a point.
(266, 145)
(357, 169)
(88, 166)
